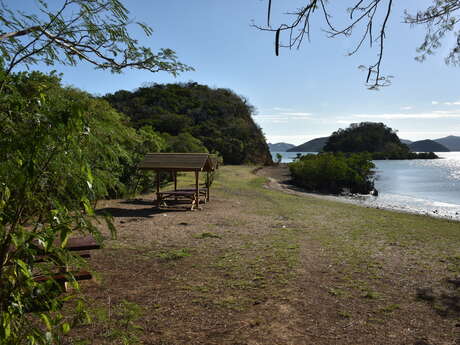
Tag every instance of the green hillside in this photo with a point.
(218, 118)
(376, 138)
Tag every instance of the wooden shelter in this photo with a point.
(181, 162)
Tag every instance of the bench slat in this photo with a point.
(62, 278)
(82, 243)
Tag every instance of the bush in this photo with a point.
(60, 150)
(332, 173)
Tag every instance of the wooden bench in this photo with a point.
(204, 191)
(175, 195)
(77, 244)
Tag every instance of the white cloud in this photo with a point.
(401, 116)
(282, 117)
(343, 122)
(282, 109)
(407, 108)
(445, 103)
(297, 114)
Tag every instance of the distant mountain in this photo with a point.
(280, 147)
(451, 142)
(427, 146)
(405, 141)
(315, 145)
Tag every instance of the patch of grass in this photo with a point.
(204, 235)
(370, 294)
(336, 292)
(117, 323)
(172, 255)
(390, 308)
(453, 263)
(237, 303)
(344, 314)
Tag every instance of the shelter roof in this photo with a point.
(179, 162)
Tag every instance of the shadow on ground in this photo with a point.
(445, 302)
(149, 212)
(146, 202)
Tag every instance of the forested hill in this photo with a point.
(218, 118)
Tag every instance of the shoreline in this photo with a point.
(278, 179)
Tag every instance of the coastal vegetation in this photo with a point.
(380, 141)
(333, 173)
(451, 143)
(217, 119)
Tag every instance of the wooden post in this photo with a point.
(158, 187)
(207, 185)
(175, 183)
(197, 188)
(175, 180)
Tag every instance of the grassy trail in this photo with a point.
(258, 266)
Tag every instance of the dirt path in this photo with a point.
(257, 266)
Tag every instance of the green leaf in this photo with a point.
(87, 205)
(46, 320)
(65, 328)
(65, 234)
(7, 327)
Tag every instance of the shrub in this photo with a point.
(332, 173)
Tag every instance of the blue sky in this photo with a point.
(303, 93)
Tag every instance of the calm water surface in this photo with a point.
(419, 186)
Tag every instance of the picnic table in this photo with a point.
(181, 162)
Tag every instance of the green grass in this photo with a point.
(172, 255)
(355, 238)
(204, 235)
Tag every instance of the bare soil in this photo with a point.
(262, 266)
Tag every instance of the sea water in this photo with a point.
(426, 186)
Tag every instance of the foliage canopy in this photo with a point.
(218, 118)
(333, 173)
(71, 31)
(364, 137)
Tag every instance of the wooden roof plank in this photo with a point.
(176, 161)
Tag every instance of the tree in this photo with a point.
(60, 150)
(371, 17)
(220, 119)
(93, 31)
(363, 137)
